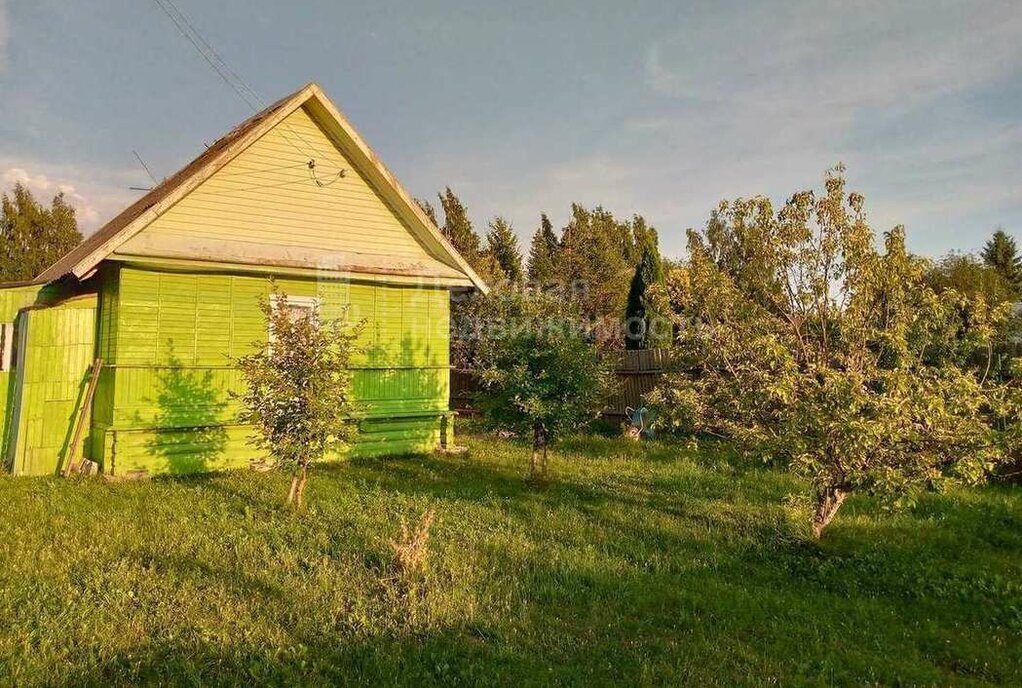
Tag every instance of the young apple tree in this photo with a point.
(540, 374)
(803, 343)
(298, 391)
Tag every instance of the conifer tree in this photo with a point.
(597, 259)
(428, 209)
(1001, 254)
(543, 253)
(646, 324)
(458, 227)
(503, 250)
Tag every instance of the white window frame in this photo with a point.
(306, 302)
(6, 347)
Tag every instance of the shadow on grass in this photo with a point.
(595, 623)
(696, 576)
(173, 566)
(447, 657)
(470, 479)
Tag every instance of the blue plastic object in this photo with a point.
(640, 419)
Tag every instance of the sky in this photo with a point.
(661, 108)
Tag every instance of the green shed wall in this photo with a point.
(13, 301)
(168, 338)
(56, 348)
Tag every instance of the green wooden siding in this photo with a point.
(164, 402)
(56, 349)
(12, 301)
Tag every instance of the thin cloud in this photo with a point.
(763, 98)
(4, 35)
(93, 203)
(819, 55)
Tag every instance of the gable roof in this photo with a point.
(81, 260)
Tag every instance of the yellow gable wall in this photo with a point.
(266, 207)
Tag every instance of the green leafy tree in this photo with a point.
(734, 237)
(647, 323)
(32, 236)
(1001, 254)
(298, 391)
(642, 236)
(832, 356)
(966, 274)
(543, 254)
(503, 250)
(983, 288)
(539, 373)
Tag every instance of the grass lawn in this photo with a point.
(650, 564)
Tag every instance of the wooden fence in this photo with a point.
(463, 387)
(637, 373)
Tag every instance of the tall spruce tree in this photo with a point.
(458, 228)
(428, 209)
(1001, 254)
(646, 324)
(543, 253)
(503, 250)
(32, 236)
(597, 259)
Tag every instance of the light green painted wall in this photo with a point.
(56, 349)
(12, 300)
(168, 339)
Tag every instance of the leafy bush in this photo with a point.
(539, 372)
(299, 388)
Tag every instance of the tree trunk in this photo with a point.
(303, 479)
(536, 451)
(828, 501)
(294, 490)
(538, 444)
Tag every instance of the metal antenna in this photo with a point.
(144, 166)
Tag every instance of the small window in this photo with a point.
(297, 306)
(6, 346)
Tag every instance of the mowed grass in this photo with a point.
(633, 564)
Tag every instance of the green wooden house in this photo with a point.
(165, 296)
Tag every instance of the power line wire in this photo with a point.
(275, 185)
(216, 55)
(205, 56)
(252, 99)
